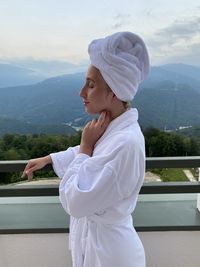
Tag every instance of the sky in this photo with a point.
(62, 29)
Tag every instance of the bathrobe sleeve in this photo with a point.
(61, 160)
(95, 183)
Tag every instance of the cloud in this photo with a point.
(179, 42)
(121, 20)
(190, 56)
(181, 29)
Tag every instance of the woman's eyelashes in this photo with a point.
(91, 84)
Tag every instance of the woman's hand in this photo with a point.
(92, 132)
(34, 165)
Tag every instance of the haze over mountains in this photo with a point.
(170, 98)
(16, 71)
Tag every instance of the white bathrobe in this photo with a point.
(100, 193)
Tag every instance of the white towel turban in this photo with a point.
(123, 61)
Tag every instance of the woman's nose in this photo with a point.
(82, 92)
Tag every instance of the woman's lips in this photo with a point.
(86, 102)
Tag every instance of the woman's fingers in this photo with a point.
(97, 122)
(104, 119)
(93, 131)
(93, 122)
(102, 116)
(30, 176)
(29, 169)
(26, 169)
(107, 118)
(29, 172)
(101, 119)
(36, 164)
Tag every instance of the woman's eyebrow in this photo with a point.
(90, 79)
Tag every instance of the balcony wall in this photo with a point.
(34, 250)
(163, 249)
(34, 228)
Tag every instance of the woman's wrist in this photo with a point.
(48, 159)
(86, 150)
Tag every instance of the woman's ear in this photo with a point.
(114, 96)
(110, 92)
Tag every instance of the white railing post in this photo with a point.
(198, 195)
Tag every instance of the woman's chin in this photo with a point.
(91, 111)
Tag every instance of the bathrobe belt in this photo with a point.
(81, 228)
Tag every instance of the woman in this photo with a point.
(101, 178)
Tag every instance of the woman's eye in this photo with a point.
(91, 85)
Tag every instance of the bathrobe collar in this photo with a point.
(125, 119)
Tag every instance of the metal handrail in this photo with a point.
(53, 190)
(153, 162)
(147, 188)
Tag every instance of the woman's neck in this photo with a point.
(117, 112)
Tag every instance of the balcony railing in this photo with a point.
(190, 209)
(147, 188)
(41, 215)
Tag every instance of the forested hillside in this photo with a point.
(169, 99)
(165, 107)
(20, 127)
(158, 143)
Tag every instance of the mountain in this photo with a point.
(11, 75)
(183, 69)
(168, 99)
(168, 107)
(48, 68)
(24, 71)
(176, 73)
(54, 100)
(19, 127)
(190, 131)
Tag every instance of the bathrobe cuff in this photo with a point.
(82, 156)
(61, 160)
(77, 162)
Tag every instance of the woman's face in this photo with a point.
(96, 95)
